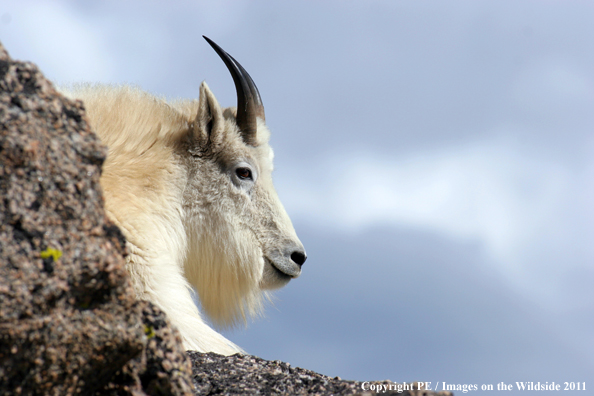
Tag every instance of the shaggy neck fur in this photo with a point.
(141, 181)
(170, 184)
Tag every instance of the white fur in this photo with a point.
(170, 186)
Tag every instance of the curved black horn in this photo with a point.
(249, 103)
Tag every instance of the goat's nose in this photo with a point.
(299, 257)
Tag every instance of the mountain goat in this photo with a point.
(189, 184)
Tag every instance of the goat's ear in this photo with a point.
(209, 123)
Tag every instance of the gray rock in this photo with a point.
(249, 375)
(70, 323)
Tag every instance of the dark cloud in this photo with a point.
(404, 304)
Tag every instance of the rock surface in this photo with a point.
(69, 321)
(249, 375)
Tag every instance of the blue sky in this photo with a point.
(437, 160)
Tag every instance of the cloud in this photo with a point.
(484, 190)
(518, 205)
(553, 86)
(394, 303)
(63, 43)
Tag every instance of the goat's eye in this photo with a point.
(244, 173)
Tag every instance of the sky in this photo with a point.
(436, 158)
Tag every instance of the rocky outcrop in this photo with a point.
(249, 375)
(69, 322)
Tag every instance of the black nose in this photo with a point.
(298, 257)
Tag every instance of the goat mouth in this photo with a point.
(280, 272)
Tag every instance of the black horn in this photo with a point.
(249, 103)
